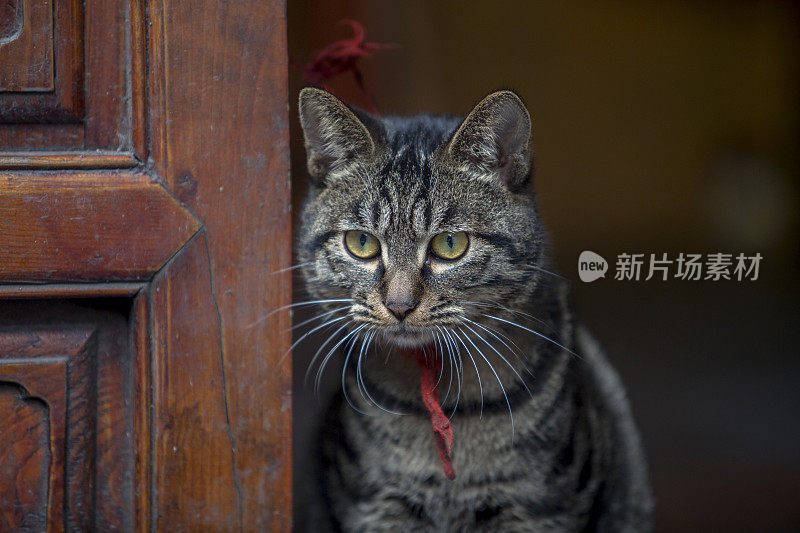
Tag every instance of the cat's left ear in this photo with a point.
(494, 140)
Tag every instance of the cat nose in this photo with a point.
(400, 309)
(402, 294)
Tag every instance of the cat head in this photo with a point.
(418, 225)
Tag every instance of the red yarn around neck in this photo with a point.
(431, 365)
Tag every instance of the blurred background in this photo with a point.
(658, 127)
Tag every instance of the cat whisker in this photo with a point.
(438, 353)
(535, 333)
(494, 334)
(330, 354)
(441, 352)
(352, 344)
(499, 382)
(313, 302)
(477, 372)
(319, 350)
(360, 377)
(297, 304)
(293, 267)
(388, 353)
(358, 363)
(487, 343)
(306, 334)
(508, 310)
(540, 269)
(460, 363)
(317, 317)
(454, 367)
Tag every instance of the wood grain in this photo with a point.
(113, 427)
(37, 362)
(75, 362)
(107, 82)
(42, 69)
(26, 48)
(96, 65)
(142, 419)
(11, 20)
(46, 383)
(219, 137)
(196, 484)
(66, 160)
(70, 290)
(180, 418)
(55, 137)
(87, 227)
(138, 52)
(24, 458)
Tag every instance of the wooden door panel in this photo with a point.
(66, 82)
(71, 227)
(27, 36)
(65, 377)
(144, 208)
(25, 462)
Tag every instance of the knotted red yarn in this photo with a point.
(431, 367)
(340, 57)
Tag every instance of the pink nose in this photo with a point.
(400, 309)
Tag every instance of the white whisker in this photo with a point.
(306, 334)
(487, 343)
(296, 304)
(330, 354)
(509, 310)
(499, 382)
(480, 385)
(352, 343)
(293, 267)
(540, 269)
(440, 351)
(491, 332)
(535, 333)
(317, 317)
(451, 357)
(319, 350)
(360, 378)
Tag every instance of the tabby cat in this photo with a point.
(421, 235)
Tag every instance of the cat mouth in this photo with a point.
(404, 336)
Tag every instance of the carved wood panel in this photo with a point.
(25, 461)
(41, 62)
(26, 45)
(88, 227)
(66, 84)
(65, 397)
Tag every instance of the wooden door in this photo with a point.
(144, 226)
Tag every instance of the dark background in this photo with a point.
(658, 127)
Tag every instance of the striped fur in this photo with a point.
(498, 316)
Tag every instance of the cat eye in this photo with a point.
(449, 246)
(361, 244)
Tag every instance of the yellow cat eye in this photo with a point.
(450, 246)
(361, 244)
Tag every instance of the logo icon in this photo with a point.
(591, 266)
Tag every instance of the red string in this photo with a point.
(340, 57)
(431, 366)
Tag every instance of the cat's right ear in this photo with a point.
(494, 140)
(334, 136)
